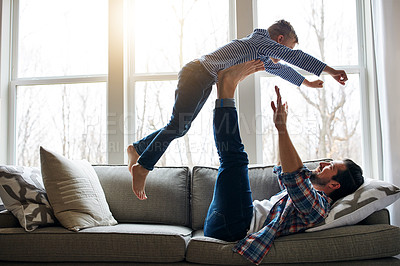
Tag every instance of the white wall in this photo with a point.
(386, 22)
(4, 77)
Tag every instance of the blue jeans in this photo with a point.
(231, 209)
(194, 87)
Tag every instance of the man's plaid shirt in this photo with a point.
(302, 207)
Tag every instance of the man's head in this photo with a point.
(337, 178)
(283, 33)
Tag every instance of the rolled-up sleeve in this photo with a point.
(314, 205)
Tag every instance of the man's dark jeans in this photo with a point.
(231, 209)
(194, 87)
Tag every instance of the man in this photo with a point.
(306, 196)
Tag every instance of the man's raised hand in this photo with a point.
(280, 112)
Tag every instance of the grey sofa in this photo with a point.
(167, 229)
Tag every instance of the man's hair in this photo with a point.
(350, 180)
(282, 27)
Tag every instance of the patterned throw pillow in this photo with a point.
(23, 193)
(372, 196)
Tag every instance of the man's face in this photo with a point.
(288, 42)
(326, 170)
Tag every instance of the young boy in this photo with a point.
(264, 47)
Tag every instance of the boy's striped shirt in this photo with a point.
(259, 45)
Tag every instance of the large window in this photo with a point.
(59, 78)
(63, 79)
(161, 42)
(324, 123)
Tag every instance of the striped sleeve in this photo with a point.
(284, 72)
(270, 48)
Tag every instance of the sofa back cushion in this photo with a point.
(167, 189)
(263, 183)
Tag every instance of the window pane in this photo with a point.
(154, 102)
(68, 119)
(323, 123)
(164, 39)
(168, 34)
(59, 38)
(326, 29)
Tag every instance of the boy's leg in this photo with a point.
(194, 87)
(231, 209)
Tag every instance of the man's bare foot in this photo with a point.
(230, 77)
(133, 156)
(139, 174)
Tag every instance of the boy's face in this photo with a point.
(288, 42)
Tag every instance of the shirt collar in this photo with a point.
(263, 32)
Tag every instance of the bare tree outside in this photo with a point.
(71, 118)
(325, 122)
(154, 100)
(67, 118)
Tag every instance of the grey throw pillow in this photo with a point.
(74, 192)
(23, 193)
(370, 197)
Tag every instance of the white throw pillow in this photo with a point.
(74, 192)
(370, 197)
(23, 194)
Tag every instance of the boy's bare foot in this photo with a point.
(133, 156)
(139, 174)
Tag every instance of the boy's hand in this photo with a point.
(339, 75)
(280, 112)
(313, 84)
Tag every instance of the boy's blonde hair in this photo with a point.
(282, 27)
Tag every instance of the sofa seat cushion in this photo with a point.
(122, 242)
(356, 242)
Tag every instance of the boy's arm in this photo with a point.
(339, 75)
(289, 74)
(302, 60)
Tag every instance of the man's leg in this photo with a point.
(231, 209)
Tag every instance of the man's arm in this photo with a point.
(289, 158)
(306, 199)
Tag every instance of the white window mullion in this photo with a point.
(116, 84)
(130, 105)
(249, 105)
(59, 80)
(11, 88)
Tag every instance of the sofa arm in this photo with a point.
(378, 217)
(7, 219)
